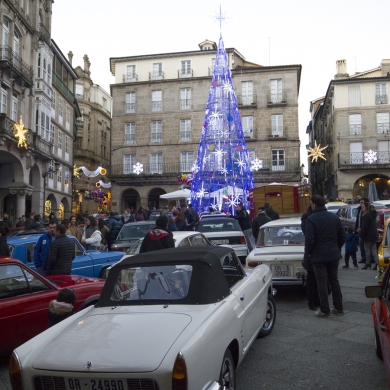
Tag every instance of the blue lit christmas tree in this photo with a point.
(222, 175)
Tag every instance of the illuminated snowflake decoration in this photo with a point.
(219, 152)
(228, 88)
(138, 168)
(256, 164)
(233, 201)
(214, 118)
(195, 168)
(223, 133)
(316, 152)
(370, 156)
(201, 193)
(224, 171)
(241, 163)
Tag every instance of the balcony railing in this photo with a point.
(383, 128)
(130, 78)
(42, 146)
(276, 131)
(8, 58)
(247, 100)
(156, 75)
(64, 89)
(185, 104)
(44, 33)
(363, 160)
(355, 129)
(287, 165)
(380, 99)
(185, 73)
(276, 99)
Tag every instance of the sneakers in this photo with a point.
(345, 266)
(320, 313)
(337, 312)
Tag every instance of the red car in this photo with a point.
(25, 297)
(381, 315)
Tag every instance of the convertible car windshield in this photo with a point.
(218, 225)
(281, 235)
(134, 231)
(167, 282)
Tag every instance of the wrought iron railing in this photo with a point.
(185, 73)
(246, 100)
(380, 99)
(130, 78)
(276, 98)
(44, 33)
(383, 128)
(355, 129)
(370, 158)
(17, 64)
(156, 75)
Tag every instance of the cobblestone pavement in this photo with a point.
(308, 352)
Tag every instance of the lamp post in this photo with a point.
(44, 175)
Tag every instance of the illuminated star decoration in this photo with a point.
(76, 171)
(20, 132)
(256, 164)
(138, 168)
(316, 152)
(370, 156)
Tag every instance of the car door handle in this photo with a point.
(242, 297)
(382, 326)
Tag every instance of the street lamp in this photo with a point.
(44, 175)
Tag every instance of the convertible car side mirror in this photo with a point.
(374, 292)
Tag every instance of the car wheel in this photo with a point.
(227, 377)
(104, 273)
(378, 348)
(270, 318)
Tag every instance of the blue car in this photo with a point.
(86, 263)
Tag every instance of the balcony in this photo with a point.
(276, 99)
(156, 75)
(130, 78)
(380, 99)
(44, 33)
(355, 129)
(80, 123)
(185, 73)
(360, 160)
(42, 147)
(277, 133)
(9, 59)
(63, 88)
(247, 101)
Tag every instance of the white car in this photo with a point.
(281, 245)
(224, 231)
(180, 318)
(333, 207)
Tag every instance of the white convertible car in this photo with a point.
(177, 319)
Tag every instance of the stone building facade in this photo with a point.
(352, 120)
(158, 111)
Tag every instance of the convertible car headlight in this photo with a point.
(179, 373)
(15, 374)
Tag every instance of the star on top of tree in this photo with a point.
(316, 152)
(20, 132)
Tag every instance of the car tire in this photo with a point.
(378, 349)
(103, 273)
(270, 319)
(227, 376)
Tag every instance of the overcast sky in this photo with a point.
(278, 32)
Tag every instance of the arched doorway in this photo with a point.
(50, 205)
(361, 185)
(154, 198)
(129, 199)
(66, 211)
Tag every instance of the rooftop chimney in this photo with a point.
(385, 66)
(70, 57)
(341, 70)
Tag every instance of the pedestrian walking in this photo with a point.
(189, 217)
(324, 238)
(6, 222)
(369, 235)
(180, 221)
(351, 247)
(92, 237)
(62, 253)
(271, 212)
(75, 229)
(104, 231)
(127, 217)
(260, 219)
(115, 224)
(62, 307)
(244, 221)
(358, 226)
(42, 248)
(158, 238)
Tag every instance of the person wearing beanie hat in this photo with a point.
(158, 238)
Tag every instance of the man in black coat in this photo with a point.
(189, 217)
(259, 221)
(271, 212)
(358, 227)
(158, 238)
(62, 253)
(244, 221)
(324, 238)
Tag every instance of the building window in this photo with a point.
(4, 97)
(128, 162)
(157, 73)
(278, 159)
(247, 126)
(43, 123)
(277, 125)
(67, 144)
(59, 144)
(186, 161)
(380, 93)
(156, 131)
(354, 95)
(356, 152)
(382, 122)
(104, 103)
(44, 69)
(39, 66)
(49, 74)
(67, 117)
(355, 124)
(212, 66)
(130, 102)
(156, 163)
(185, 69)
(129, 133)
(61, 108)
(66, 177)
(79, 91)
(276, 90)
(14, 109)
(247, 92)
(156, 101)
(383, 151)
(51, 137)
(53, 102)
(185, 98)
(59, 175)
(185, 130)
(51, 169)
(130, 74)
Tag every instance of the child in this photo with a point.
(62, 307)
(351, 247)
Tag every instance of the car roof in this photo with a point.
(283, 222)
(139, 223)
(28, 238)
(384, 202)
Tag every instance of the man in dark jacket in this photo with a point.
(189, 217)
(244, 221)
(358, 227)
(114, 224)
(42, 248)
(4, 248)
(259, 221)
(158, 238)
(324, 238)
(271, 212)
(62, 253)
(6, 222)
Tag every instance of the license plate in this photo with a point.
(218, 242)
(95, 384)
(282, 270)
